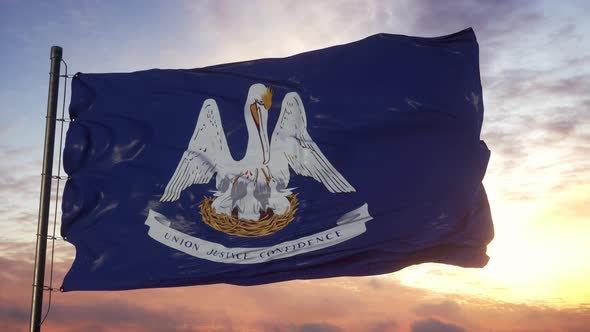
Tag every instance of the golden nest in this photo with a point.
(269, 222)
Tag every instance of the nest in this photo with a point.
(268, 223)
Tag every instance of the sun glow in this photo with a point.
(539, 255)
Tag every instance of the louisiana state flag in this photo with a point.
(352, 160)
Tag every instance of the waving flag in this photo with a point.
(358, 159)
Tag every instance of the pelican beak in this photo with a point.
(260, 123)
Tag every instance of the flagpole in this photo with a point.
(43, 221)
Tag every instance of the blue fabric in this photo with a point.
(399, 118)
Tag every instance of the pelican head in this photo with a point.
(256, 109)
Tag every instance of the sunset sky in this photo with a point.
(535, 71)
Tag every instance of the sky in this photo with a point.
(535, 71)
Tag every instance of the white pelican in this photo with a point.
(259, 181)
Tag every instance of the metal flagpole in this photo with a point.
(43, 221)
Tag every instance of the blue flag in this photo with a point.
(353, 160)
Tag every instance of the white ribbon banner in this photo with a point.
(350, 225)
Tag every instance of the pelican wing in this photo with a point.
(206, 151)
(291, 141)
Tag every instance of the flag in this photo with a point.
(358, 159)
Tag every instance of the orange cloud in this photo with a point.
(338, 304)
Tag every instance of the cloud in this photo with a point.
(433, 325)
(17, 251)
(271, 29)
(548, 141)
(19, 193)
(428, 15)
(376, 283)
(383, 326)
(536, 108)
(511, 84)
(318, 327)
(13, 314)
(578, 61)
(123, 314)
(337, 304)
(446, 309)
